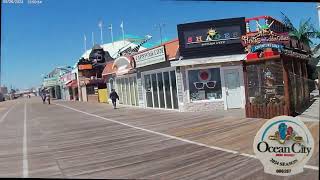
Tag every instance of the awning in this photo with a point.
(72, 84)
(209, 60)
(108, 69)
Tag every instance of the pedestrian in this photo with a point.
(43, 96)
(114, 96)
(48, 97)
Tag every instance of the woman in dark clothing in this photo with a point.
(114, 96)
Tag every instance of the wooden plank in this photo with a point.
(286, 82)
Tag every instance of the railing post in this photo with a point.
(286, 85)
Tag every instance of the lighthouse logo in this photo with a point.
(283, 145)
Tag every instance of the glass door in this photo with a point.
(174, 89)
(155, 90)
(161, 90)
(160, 87)
(148, 91)
(132, 93)
(167, 91)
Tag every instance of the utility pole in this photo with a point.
(160, 26)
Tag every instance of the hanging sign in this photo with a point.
(264, 35)
(263, 46)
(152, 56)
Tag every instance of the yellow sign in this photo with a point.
(103, 95)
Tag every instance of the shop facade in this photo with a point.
(120, 75)
(52, 85)
(69, 86)
(156, 79)
(210, 70)
(275, 70)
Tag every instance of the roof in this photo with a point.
(108, 69)
(113, 48)
(72, 83)
(172, 49)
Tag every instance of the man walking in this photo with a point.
(48, 97)
(114, 96)
(43, 96)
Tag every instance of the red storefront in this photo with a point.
(275, 71)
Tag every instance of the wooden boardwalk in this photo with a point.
(63, 143)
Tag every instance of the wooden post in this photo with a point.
(245, 78)
(301, 84)
(307, 83)
(286, 85)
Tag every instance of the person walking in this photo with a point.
(48, 97)
(43, 96)
(114, 96)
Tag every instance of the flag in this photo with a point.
(121, 25)
(100, 24)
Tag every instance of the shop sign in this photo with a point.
(283, 145)
(50, 81)
(264, 35)
(264, 46)
(85, 66)
(152, 56)
(212, 36)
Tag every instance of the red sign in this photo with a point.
(85, 66)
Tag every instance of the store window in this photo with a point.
(265, 83)
(205, 84)
(127, 90)
(161, 90)
(90, 90)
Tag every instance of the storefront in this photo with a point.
(121, 76)
(160, 88)
(209, 70)
(52, 84)
(275, 71)
(90, 74)
(156, 79)
(66, 81)
(127, 89)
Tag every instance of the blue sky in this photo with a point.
(36, 38)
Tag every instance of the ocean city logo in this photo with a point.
(283, 145)
(285, 133)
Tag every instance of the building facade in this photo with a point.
(210, 69)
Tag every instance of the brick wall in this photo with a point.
(202, 106)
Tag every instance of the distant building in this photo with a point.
(4, 90)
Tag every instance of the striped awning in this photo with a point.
(72, 84)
